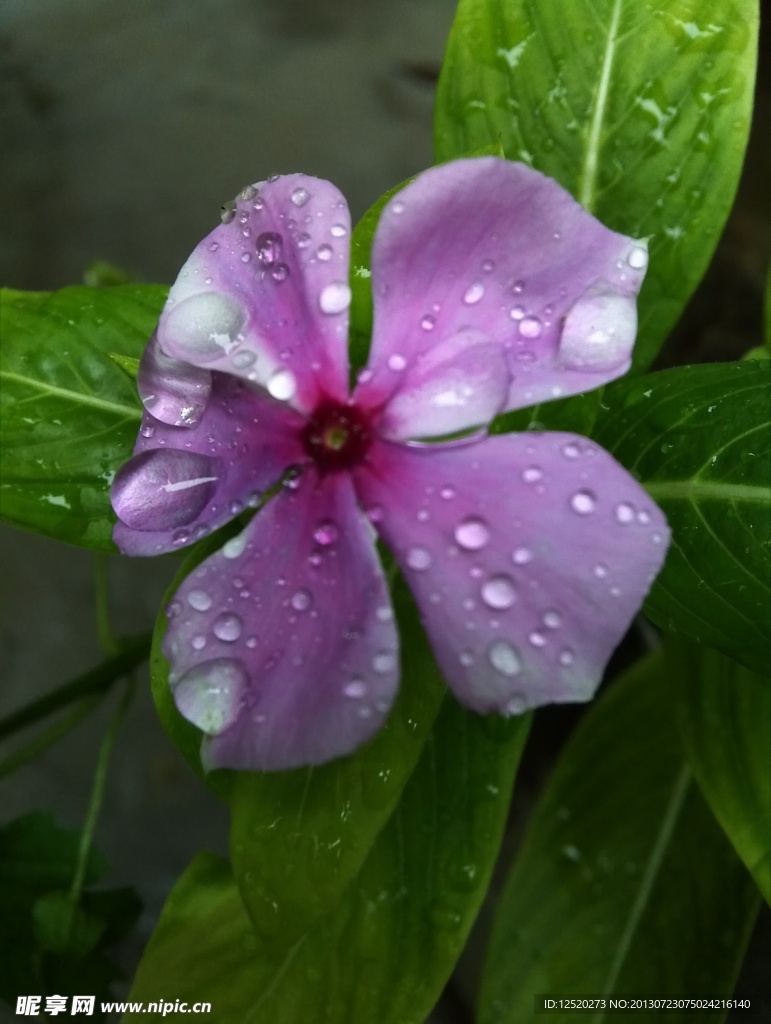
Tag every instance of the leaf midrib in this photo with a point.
(76, 397)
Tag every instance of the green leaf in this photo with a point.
(640, 110)
(698, 439)
(383, 953)
(69, 413)
(625, 883)
(725, 717)
(128, 364)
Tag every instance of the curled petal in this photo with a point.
(184, 482)
(498, 248)
(265, 295)
(528, 555)
(172, 391)
(282, 646)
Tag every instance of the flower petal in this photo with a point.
(498, 248)
(528, 554)
(265, 296)
(282, 645)
(184, 482)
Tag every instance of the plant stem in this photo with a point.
(46, 739)
(97, 796)
(96, 680)
(107, 641)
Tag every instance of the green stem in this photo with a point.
(46, 739)
(107, 641)
(97, 796)
(96, 680)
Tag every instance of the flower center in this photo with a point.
(336, 436)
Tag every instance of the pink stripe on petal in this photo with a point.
(283, 647)
(265, 296)
(185, 482)
(498, 248)
(528, 555)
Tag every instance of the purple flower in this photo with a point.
(528, 554)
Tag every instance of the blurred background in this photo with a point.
(123, 128)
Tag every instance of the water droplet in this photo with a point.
(243, 359)
(624, 513)
(198, 642)
(600, 571)
(532, 475)
(530, 327)
(282, 385)
(246, 257)
(583, 502)
(428, 322)
(517, 313)
(279, 272)
(227, 627)
(521, 556)
(504, 658)
(300, 196)
(571, 451)
(213, 246)
(396, 363)
(638, 257)
(519, 287)
(384, 661)
(268, 246)
(537, 639)
(487, 266)
(515, 705)
(397, 206)
(204, 326)
(498, 592)
(552, 619)
(147, 430)
(567, 656)
(338, 230)
(473, 294)
(209, 695)
(356, 689)
(326, 533)
(472, 534)
(643, 517)
(302, 600)
(234, 547)
(384, 613)
(447, 493)
(325, 253)
(335, 298)
(419, 559)
(199, 600)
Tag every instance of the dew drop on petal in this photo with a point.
(279, 272)
(472, 534)
(466, 658)
(571, 451)
(397, 206)
(473, 294)
(356, 689)
(268, 246)
(204, 326)
(335, 298)
(300, 196)
(324, 253)
(624, 513)
(198, 642)
(384, 613)
(567, 656)
(384, 661)
(530, 327)
(552, 619)
(419, 559)
(428, 322)
(600, 571)
(638, 257)
(532, 475)
(583, 503)
(338, 230)
(498, 592)
(447, 493)
(396, 363)
(517, 313)
(515, 705)
(537, 639)
(326, 532)
(504, 658)
(209, 695)
(199, 600)
(234, 547)
(282, 385)
(302, 600)
(227, 627)
(243, 359)
(521, 556)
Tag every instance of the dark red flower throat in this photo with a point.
(336, 436)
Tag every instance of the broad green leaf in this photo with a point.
(383, 953)
(625, 883)
(725, 717)
(69, 414)
(767, 310)
(299, 837)
(698, 439)
(641, 110)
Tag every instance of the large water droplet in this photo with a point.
(583, 502)
(335, 298)
(300, 196)
(282, 385)
(504, 658)
(234, 547)
(268, 246)
(498, 592)
(164, 488)
(530, 327)
(325, 253)
(209, 695)
(638, 257)
(472, 534)
(338, 231)
(227, 627)
(203, 327)
(474, 293)
(599, 330)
